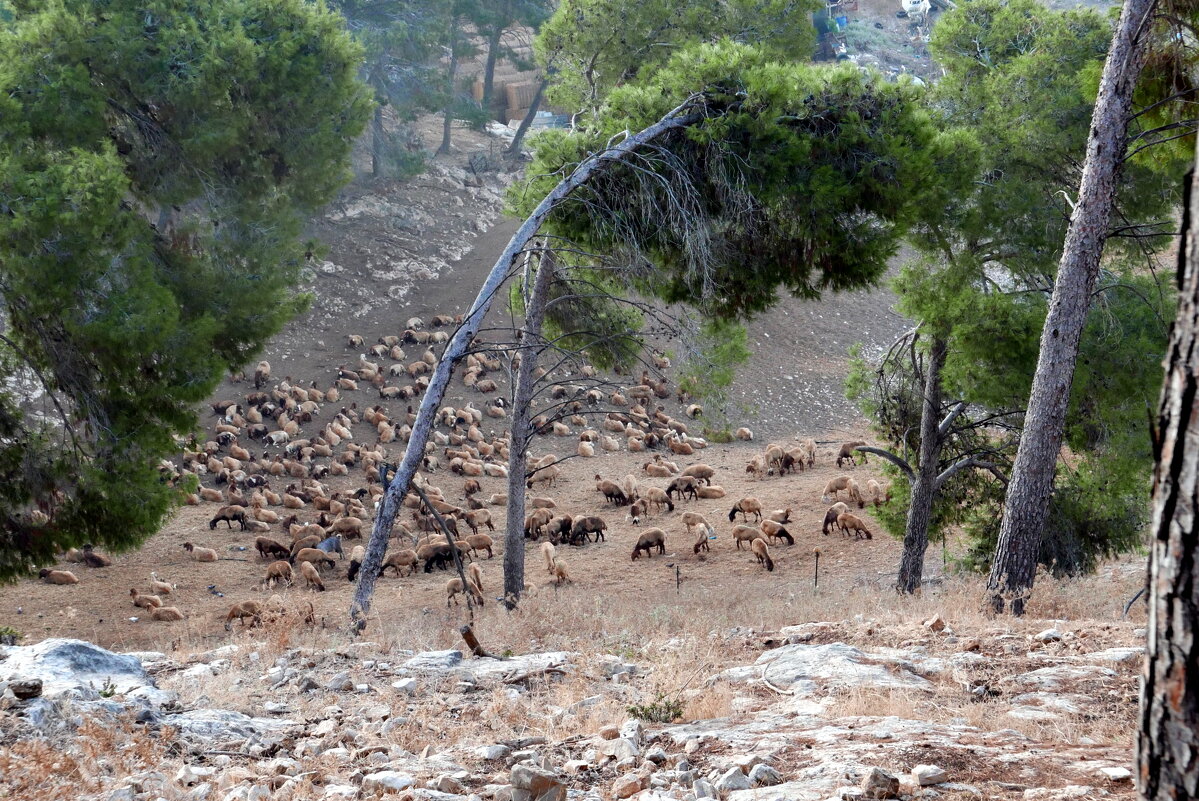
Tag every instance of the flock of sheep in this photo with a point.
(300, 527)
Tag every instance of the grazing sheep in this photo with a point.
(159, 587)
(561, 574)
(548, 552)
(479, 517)
(762, 551)
(262, 374)
(830, 517)
(695, 411)
(684, 486)
(808, 448)
(535, 522)
(474, 574)
(357, 557)
(312, 577)
(701, 542)
(637, 511)
(658, 498)
(744, 434)
(480, 542)
(454, 587)
(57, 576)
(756, 467)
(611, 491)
(775, 530)
(701, 472)
(348, 527)
(853, 523)
(583, 526)
(838, 484)
(241, 611)
(166, 614)
(310, 541)
(441, 556)
(693, 519)
(710, 493)
(276, 572)
(746, 506)
(652, 538)
(313, 555)
(268, 548)
(145, 601)
(200, 554)
(780, 516)
(878, 494)
(848, 454)
(744, 534)
(398, 560)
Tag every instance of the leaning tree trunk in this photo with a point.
(426, 415)
(514, 148)
(448, 123)
(493, 52)
(521, 434)
(1028, 494)
(924, 482)
(377, 138)
(1168, 746)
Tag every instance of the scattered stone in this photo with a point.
(446, 783)
(762, 775)
(1117, 774)
(73, 667)
(193, 774)
(609, 733)
(386, 780)
(703, 789)
(657, 755)
(24, 689)
(492, 752)
(406, 686)
(1059, 793)
(306, 683)
(341, 682)
(619, 749)
(970, 645)
(576, 766)
(877, 783)
(733, 779)
(627, 785)
(530, 783)
(926, 775)
(1049, 635)
(935, 623)
(435, 660)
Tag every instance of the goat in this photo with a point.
(650, 539)
(746, 506)
(57, 576)
(762, 551)
(243, 610)
(332, 545)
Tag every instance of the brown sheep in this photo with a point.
(241, 611)
(762, 551)
(830, 517)
(315, 556)
(93, 559)
(658, 498)
(780, 516)
(853, 523)
(312, 577)
(745, 534)
(268, 548)
(561, 574)
(539, 519)
(398, 560)
(710, 493)
(276, 572)
(200, 554)
(582, 526)
(305, 542)
(702, 472)
(878, 494)
(652, 538)
(684, 486)
(159, 587)
(357, 557)
(548, 552)
(838, 484)
(348, 527)
(229, 514)
(775, 530)
(166, 614)
(474, 574)
(479, 517)
(847, 453)
(701, 542)
(145, 601)
(746, 506)
(57, 576)
(693, 519)
(611, 491)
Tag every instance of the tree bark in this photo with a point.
(451, 91)
(1168, 744)
(377, 141)
(521, 433)
(390, 503)
(493, 51)
(1028, 494)
(514, 148)
(924, 482)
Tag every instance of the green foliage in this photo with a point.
(660, 710)
(798, 176)
(710, 365)
(589, 47)
(9, 635)
(157, 164)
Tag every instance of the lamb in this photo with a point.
(561, 574)
(200, 554)
(268, 548)
(658, 498)
(583, 526)
(847, 453)
(830, 517)
(241, 611)
(57, 576)
(710, 493)
(656, 470)
(166, 614)
(745, 534)
(650, 539)
(756, 467)
(480, 542)
(701, 542)
(398, 560)
(701, 472)
(312, 577)
(276, 572)
(145, 601)
(762, 551)
(853, 523)
(611, 491)
(746, 506)
(684, 486)
(548, 552)
(775, 530)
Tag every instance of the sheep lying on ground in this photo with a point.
(200, 554)
(57, 576)
(145, 601)
(166, 614)
(710, 492)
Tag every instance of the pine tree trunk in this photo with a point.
(514, 148)
(493, 51)
(426, 415)
(377, 141)
(451, 92)
(1028, 493)
(1168, 745)
(521, 433)
(924, 483)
